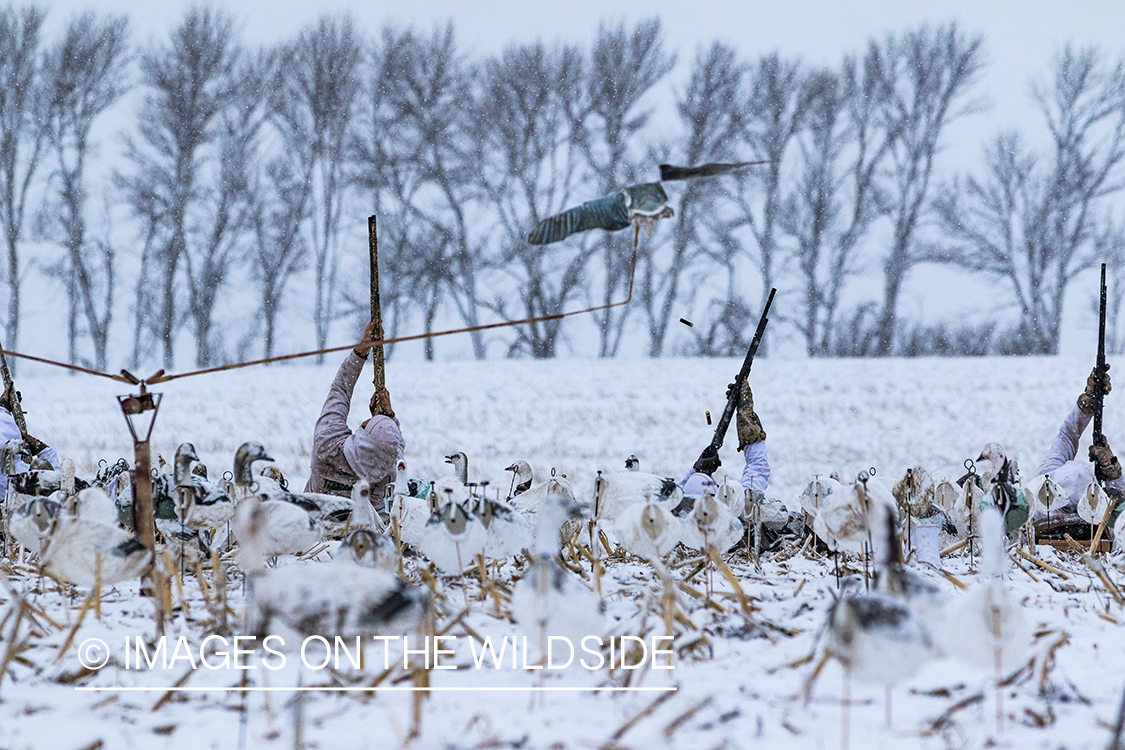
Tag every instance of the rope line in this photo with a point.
(161, 377)
(64, 365)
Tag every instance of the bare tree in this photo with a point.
(711, 117)
(625, 65)
(279, 205)
(775, 103)
(930, 72)
(320, 89)
(530, 161)
(389, 163)
(1035, 223)
(192, 80)
(427, 106)
(812, 208)
(225, 208)
(1114, 258)
(731, 321)
(22, 136)
(85, 72)
(836, 197)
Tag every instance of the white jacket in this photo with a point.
(756, 473)
(1072, 474)
(9, 431)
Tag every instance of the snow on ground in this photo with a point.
(579, 416)
(742, 686)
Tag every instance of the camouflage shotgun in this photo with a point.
(1099, 371)
(13, 396)
(710, 454)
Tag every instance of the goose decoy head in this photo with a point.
(992, 452)
(361, 546)
(522, 478)
(185, 456)
(461, 463)
(751, 499)
(706, 511)
(455, 519)
(244, 458)
(43, 513)
(652, 522)
(485, 511)
(66, 479)
(726, 495)
(632, 463)
(275, 474)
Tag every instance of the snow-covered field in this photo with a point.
(742, 689)
(579, 416)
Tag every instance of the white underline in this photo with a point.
(403, 689)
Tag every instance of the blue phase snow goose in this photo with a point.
(636, 205)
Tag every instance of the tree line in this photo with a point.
(236, 167)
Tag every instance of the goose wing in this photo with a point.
(610, 213)
(669, 173)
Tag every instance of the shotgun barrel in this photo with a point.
(711, 452)
(1099, 371)
(13, 395)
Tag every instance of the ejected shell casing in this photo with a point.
(708, 417)
(687, 323)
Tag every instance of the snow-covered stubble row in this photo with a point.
(579, 416)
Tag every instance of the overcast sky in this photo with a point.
(1021, 35)
(1020, 40)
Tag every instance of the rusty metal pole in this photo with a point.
(143, 518)
(144, 525)
(380, 377)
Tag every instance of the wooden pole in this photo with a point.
(380, 378)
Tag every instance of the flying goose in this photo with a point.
(636, 205)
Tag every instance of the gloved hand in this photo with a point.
(371, 333)
(6, 399)
(1106, 466)
(749, 426)
(35, 445)
(707, 464)
(1086, 400)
